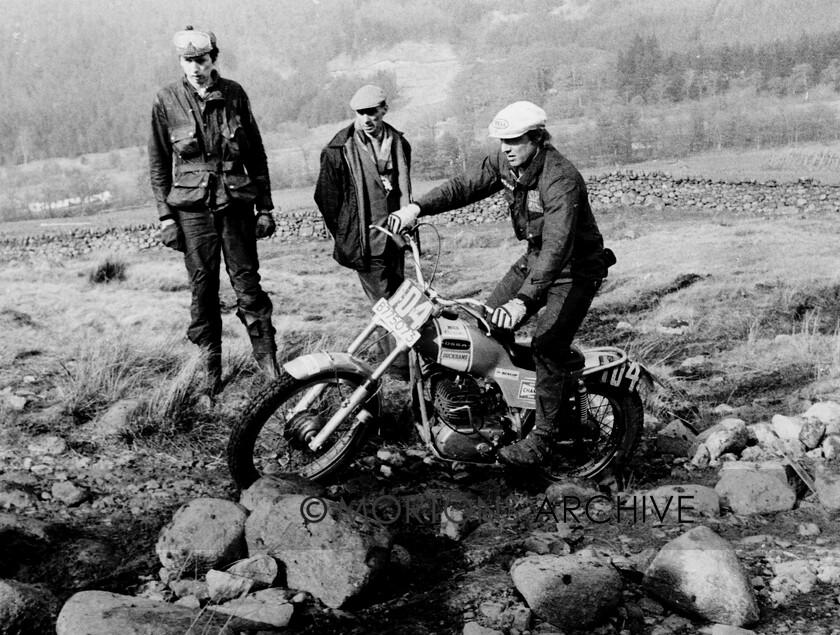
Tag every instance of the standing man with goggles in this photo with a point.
(364, 177)
(209, 171)
(562, 269)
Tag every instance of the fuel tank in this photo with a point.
(461, 346)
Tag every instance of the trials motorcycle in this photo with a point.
(472, 387)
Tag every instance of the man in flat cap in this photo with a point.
(561, 270)
(365, 175)
(209, 172)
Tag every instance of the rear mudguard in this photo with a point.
(611, 366)
(306, 366)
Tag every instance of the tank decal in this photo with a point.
(528, 389)
(456, 350)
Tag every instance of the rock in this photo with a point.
(831, 446)
(827, 484)
(48, 444)
(262, 570)
(676, 438)
(787, 427)
(25, 608)
(763, 434)
(571, 491)
(335, 559)
(267, 609)
(474, 628)
(190, 588)
(269, 489)
(106, 613)
(699, 573)
(223, 586)
(203, 534)
(572, 592)
(69, 493)
(725, 629)
(731, 435)
(808, 529)
(828, 412)
(701, 457)
(723, 410)
(811, 434)
(113, 422)
(13, 498)
(21, 530)
(796, 573)
(749, 491)
(678, 503)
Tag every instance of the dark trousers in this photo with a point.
(207, 236)
(381, 279)
(566, 305)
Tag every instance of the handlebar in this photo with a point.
(407, 240)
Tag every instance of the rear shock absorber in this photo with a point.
(582, 397)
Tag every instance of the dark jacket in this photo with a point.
(337, 198)
(206, 154)
(549, 207)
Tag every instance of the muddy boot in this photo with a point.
(534, 449)
(261, 333)
(212, 379)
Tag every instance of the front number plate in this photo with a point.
(404, 312)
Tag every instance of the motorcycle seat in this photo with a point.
(521, 354)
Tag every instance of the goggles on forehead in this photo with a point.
(192, 43)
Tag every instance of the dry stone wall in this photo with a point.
(654, 190)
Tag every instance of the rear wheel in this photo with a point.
(273, 435)
(616, 419)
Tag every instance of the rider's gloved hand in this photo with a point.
(265, 225)
(404, 218)
(509, 315)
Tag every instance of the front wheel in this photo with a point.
(273, 435)
(617, 418)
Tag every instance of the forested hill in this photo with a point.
(78, 76)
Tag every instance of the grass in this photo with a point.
(111, 270)
(738, 284)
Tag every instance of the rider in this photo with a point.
(562, 269)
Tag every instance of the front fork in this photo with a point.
(364, 392)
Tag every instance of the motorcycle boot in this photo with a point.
(261, 333)
(210, 375)
(541, 442)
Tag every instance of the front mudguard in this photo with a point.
(306, 366)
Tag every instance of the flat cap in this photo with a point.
(368, 96)
(517, 119)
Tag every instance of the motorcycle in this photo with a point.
(472, 387)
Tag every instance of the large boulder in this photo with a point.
(269, 489)
(25, 608)
(573, 592)
(678, 503)
(106, 613)
(676, 438)
(750, 489)
(205, 533)
(264, 610)
(700, 574)
(331, 553)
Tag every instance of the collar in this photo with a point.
(530, 175)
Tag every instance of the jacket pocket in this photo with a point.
(241, 187)
(188, 189)
(235, 141)
(185, 142)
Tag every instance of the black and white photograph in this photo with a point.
(420, 317)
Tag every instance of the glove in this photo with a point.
(509, 315)
(265, 225)
(403, 219)
(172, 236)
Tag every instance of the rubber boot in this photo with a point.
(212, 379)
(537, 447)
(261, 332)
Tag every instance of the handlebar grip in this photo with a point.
(399, 241)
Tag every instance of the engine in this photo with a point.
(469, 420)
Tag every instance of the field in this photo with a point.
(759, 298)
